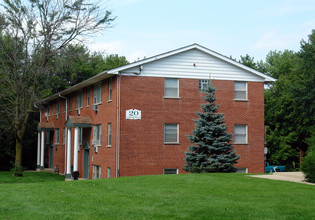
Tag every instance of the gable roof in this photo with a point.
(190, 47)
(109, 73)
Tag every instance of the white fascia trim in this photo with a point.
(217, 55)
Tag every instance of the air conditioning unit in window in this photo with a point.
(96, 150)
(78, 111)
(95, 108)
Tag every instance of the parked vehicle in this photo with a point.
(272, 168)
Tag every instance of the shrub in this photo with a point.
(308, 167)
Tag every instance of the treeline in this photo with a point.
(289, 102)
(72, 65)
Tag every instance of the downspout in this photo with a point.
(118, 126)
(66, 131)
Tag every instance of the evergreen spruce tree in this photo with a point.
(212, 151)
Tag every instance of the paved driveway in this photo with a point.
(297, 177)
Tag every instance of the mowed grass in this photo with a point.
(192, 196)
(30, 177)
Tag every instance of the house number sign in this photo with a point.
(133, 114)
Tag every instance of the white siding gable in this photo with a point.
(181, 65)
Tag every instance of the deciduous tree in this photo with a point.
(35, 31)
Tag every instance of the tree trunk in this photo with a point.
(18, 157)
(18, 147)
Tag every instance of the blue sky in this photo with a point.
(146, 28)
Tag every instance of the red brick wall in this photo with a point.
(107, 114)
(142, 141)
(142, 148)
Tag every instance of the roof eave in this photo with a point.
(81, 85)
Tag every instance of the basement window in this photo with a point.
(170, 171)
(96, 172)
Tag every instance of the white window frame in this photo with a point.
(109, 134)
(110, 89)
(203, 82)
(96, 129)
(240, 90)
(57, 136)
(97, 97)
(240, 134)
(177, 133)
(96, 172)
(167, 87)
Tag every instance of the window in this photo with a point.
(203, 85)
(110, 90)
(109, 142)
(240, 90)
(64, 105)
(97, 134)
(171, 133)
(241, 170)
(98, 93)
(58, 107)
(70, 104)
(64, 136)
(170, 171)
(79, 99)
(240, 134)
(108, 172)
(96, 172)
(171, 88)
(87, 97)
(57, 136)
(80, 135)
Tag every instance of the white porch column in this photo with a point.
(68, 174)
(38, 151)
(42, 151)
(76, 148)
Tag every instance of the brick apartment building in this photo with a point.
(133, 120)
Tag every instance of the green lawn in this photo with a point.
(193, 196)
(30, 177)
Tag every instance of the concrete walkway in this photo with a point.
(297, 177)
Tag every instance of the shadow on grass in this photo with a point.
(29, 177)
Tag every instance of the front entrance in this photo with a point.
(86, 162)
